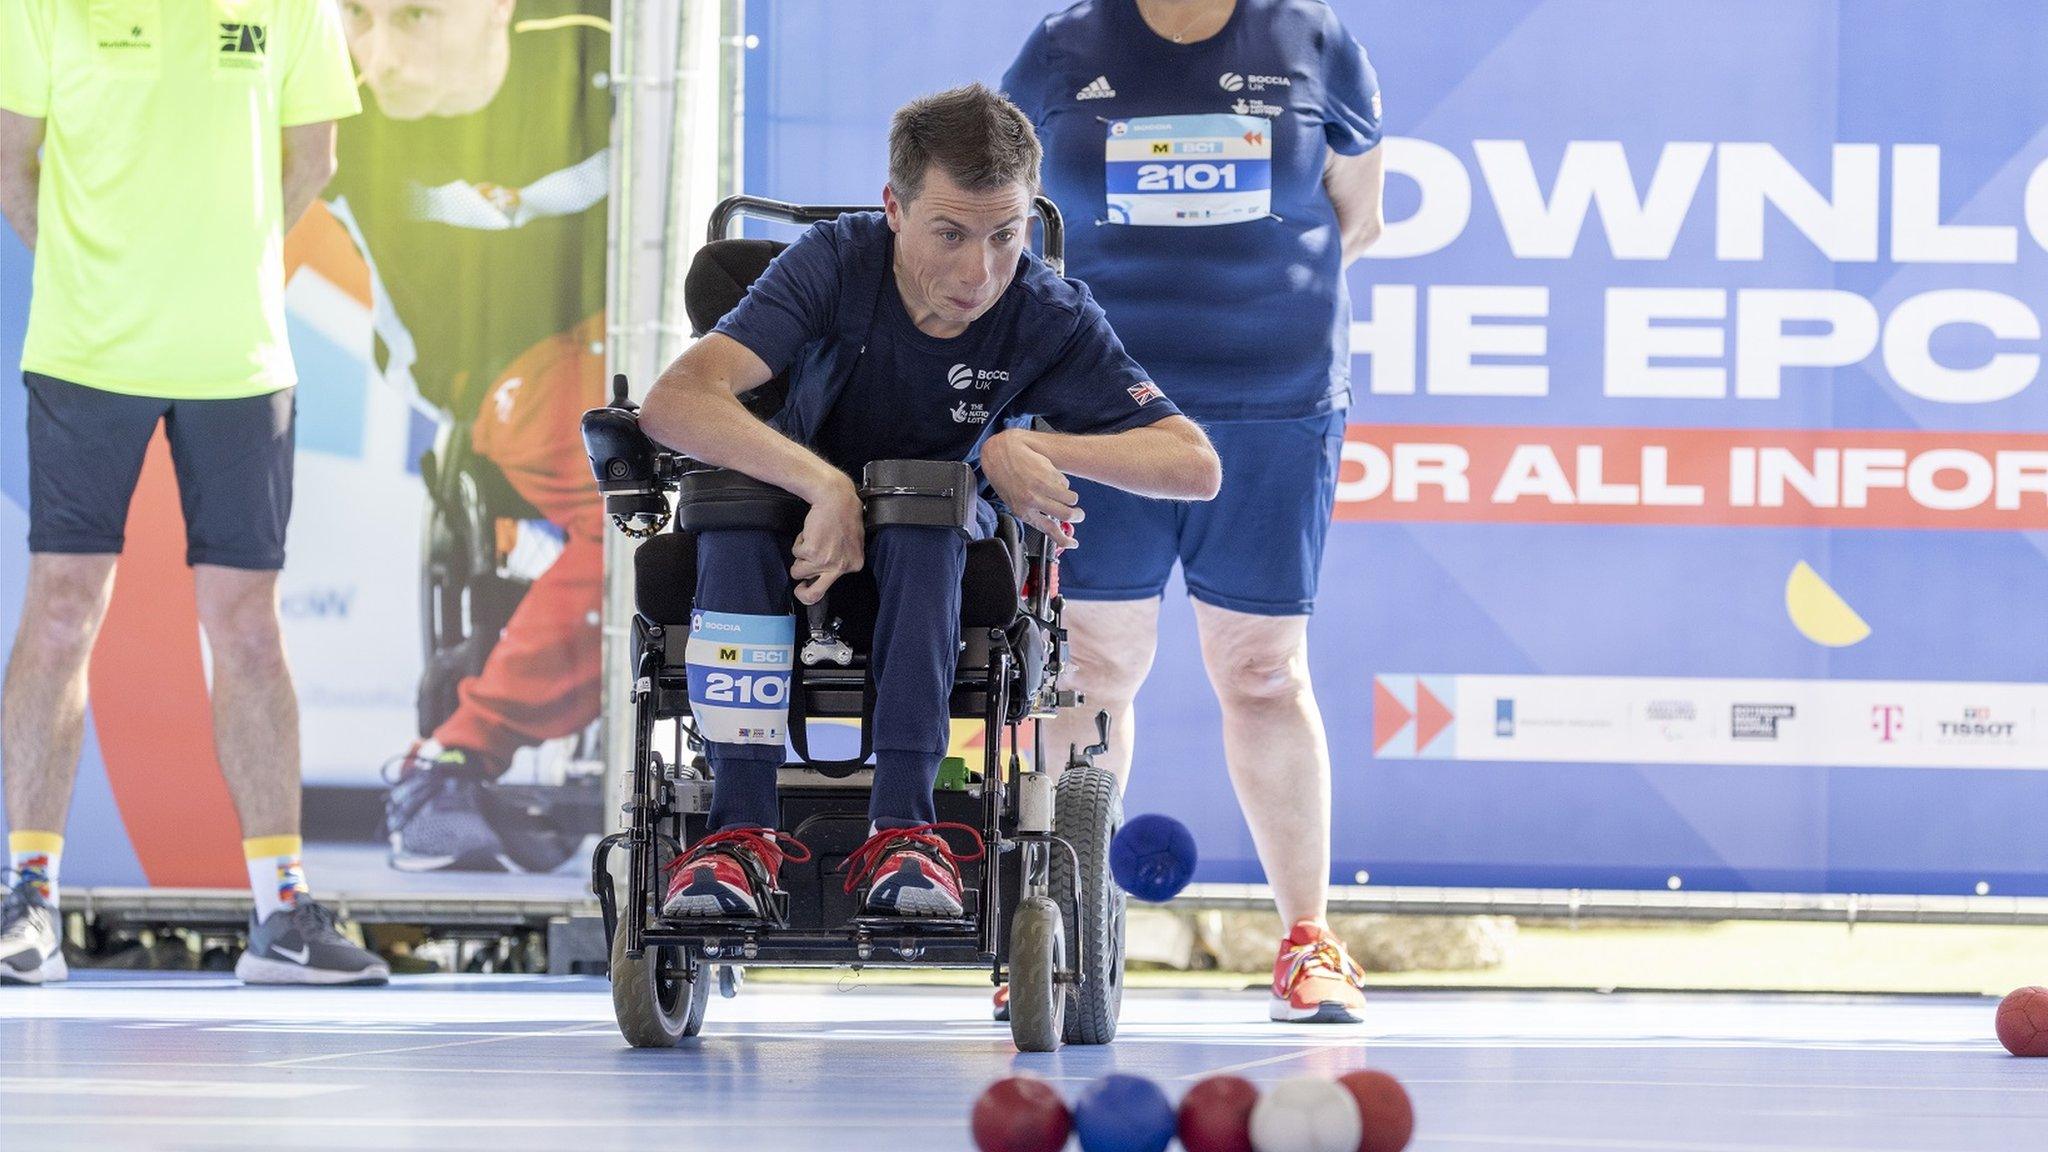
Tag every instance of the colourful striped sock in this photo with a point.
(276, 875)
(35, 856)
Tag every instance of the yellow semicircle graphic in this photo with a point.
(1819, 612)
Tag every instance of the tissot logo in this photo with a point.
(244, 39)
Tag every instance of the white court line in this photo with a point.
(1250, 1064)
(211, 1089)
(1637, 1144)
(693, 1120)
(685, 1071)
(579, 1029)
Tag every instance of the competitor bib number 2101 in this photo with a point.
(740, 670)
(1189, 171)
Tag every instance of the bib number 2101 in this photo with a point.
(1186, 177)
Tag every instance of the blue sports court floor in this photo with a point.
(187, 1061)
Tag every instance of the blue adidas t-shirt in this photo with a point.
(1190, 178)
(867, 385)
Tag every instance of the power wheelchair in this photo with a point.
(1040, 907)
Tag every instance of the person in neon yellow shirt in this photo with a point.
(151, 154)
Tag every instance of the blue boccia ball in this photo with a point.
(1153, 857)
(1121, 1113)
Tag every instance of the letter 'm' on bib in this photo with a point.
(739, 676)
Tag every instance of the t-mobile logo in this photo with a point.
(1888, 720)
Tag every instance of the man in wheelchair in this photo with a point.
(908, 334)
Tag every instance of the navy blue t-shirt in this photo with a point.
(1190, 177)
(868, 385)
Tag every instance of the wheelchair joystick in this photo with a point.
(630, 468)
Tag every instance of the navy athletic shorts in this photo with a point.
(233, 459)
(1256, 548)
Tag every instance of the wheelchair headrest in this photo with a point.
(720, 275)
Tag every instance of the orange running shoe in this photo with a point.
(1315, 981)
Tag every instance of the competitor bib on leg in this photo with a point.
(739, 676)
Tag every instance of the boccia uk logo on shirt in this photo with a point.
(1233, 82)
(962, 377)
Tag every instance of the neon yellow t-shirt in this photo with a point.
(159, 265)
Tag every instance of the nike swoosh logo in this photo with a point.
(299, 957)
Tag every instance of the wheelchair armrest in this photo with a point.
(924, 493)
(714, 498)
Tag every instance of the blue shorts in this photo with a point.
(1256, 548)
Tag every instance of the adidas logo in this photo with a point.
(1097, 89)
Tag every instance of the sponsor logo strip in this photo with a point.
(1656, 720)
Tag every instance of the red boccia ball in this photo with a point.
(1216, 1115)
(1020, 1114)
(2023, 1022)
(1386, 1115)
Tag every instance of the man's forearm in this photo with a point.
(1168, 463)
(18, 200)
(711, 426)
(1356, 186)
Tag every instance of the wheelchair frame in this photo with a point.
(662, 969)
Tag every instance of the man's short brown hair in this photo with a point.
(980, 141)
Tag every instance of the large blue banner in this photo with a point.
(1695, 507)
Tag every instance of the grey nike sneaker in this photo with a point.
(31, 944)
(434, 816)
(302, 946)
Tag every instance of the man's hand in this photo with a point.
(831, 543)
(1036, 491)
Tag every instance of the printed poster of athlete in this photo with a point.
(473, 190)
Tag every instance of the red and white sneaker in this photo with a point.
(911, 871)
(1315, 981)
(1002, 1003)
(729, 874)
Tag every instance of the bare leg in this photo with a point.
(1274, 743)
(255, 708)
(42, 716)
(1110, 648)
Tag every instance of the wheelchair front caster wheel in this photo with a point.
(1038, 1001)
(659, 998)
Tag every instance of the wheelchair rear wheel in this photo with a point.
(659, 998)
(1087, 811)
(1038, 951)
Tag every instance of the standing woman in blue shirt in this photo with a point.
(1216, 162)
